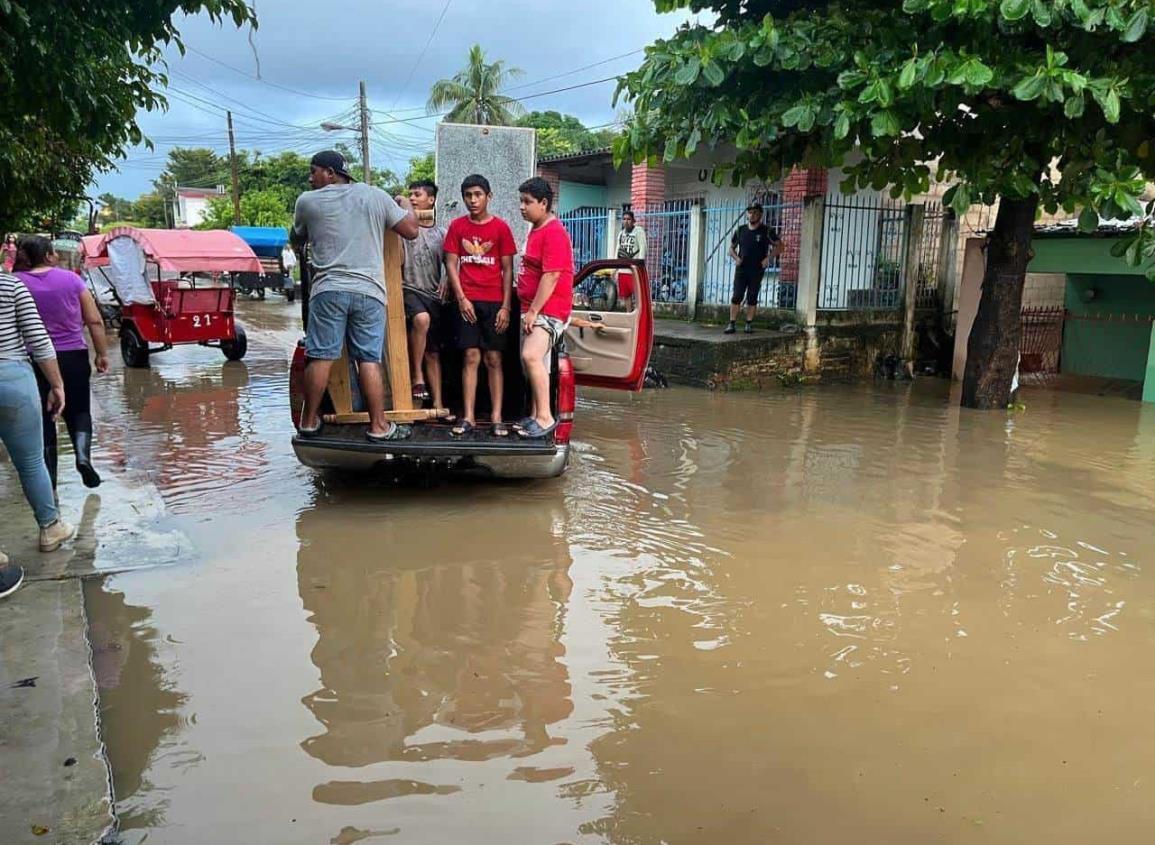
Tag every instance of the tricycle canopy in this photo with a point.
(183, 250)
(264, 240)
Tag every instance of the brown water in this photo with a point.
(838, 614)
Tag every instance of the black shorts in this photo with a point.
(747, 285)
(483, 334)
(420, 303)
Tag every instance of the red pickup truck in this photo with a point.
(608, 346)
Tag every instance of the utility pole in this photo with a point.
(365, 136)
(233, 161)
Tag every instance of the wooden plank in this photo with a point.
(340, 390)
(397, 338)
(412, 415)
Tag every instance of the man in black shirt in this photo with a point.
(752, 247)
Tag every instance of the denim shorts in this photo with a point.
(339, 317)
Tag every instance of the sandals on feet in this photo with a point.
(462, 428)
(420, 392)
(397, 432)
(535, 431)
(310, 432)
(500, 430)
(520, 425)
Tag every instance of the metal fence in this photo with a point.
(928, 287)
(862, 252)
(587, 231)
(780, 282)
(668, 250)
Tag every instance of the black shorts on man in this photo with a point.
(420, 303)
(482, 334)
(747, 284)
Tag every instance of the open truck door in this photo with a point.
(611, 331)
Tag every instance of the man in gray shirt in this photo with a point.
(344, 223)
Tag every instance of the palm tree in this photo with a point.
(473, 95)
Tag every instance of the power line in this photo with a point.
(577, 70)
(265, 81)
(428, 41)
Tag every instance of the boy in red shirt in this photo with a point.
(545, 288)
(479, 252)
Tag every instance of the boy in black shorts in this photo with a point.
(424, 285)
(479, 250)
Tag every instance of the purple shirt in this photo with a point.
(57, 296)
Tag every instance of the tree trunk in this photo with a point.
(993, 346)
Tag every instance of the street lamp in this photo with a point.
(363, 130)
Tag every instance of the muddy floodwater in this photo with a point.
(845, 613)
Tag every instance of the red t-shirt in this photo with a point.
(548, 250)
(479, 248)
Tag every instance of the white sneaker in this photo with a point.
(53, 536)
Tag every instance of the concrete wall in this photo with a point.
(1045, 290)
(573, 195)
(1112, 348)
(1078, 254)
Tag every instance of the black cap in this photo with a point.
(754, 206)
(332, 160)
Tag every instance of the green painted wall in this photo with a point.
(1078, 255)
(573, 195)
(1149, 384)
(1114, 349)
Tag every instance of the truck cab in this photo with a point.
(607, 345)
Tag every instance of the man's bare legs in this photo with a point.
(418, 339)
(372, 388)
(469, 384)
(533, 351)
(433, 376)
(496, 382)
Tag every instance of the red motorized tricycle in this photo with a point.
(174, 287)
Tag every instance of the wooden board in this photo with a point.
(414, 415)
(398, 385)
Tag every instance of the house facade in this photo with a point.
(190, 205)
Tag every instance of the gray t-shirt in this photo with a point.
(424, 260)
(345, 226)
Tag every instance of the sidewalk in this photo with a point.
(702, 356)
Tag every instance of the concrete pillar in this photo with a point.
(647, 188)
(809, 275)
(612, 233)
(1149, 380)
(915, 219)
(947, 269)
(697, 260)
(551, 174)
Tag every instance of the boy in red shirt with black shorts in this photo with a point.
(479, 250)
(545, 288)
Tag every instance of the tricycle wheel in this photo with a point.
(261, 294)
(236, 348)
(133, 349)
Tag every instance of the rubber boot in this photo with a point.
(50, 462)
(82, 446)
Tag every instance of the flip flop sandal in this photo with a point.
(397, 432)
(534, 431)
(462, 428)
(420, 392)
(448, 419)
(500, 430)
(522, 423)
(310, 432)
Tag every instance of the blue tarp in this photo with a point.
(265, 240)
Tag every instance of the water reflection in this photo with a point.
(140, 718)
(435, 641)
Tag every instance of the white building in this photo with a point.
(190, 205)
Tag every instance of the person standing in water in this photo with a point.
(67, 307)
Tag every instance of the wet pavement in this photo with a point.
(844, 612)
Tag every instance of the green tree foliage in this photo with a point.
(473, 94)
(559, 134)
(73, 75)
(421, 167)
(1030, 102)
(265, 207)
(196, 168)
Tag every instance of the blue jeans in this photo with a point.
(339, 317)
(22, 432)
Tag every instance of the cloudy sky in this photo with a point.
(307, 57)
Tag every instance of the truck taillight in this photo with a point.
(566, 399)
(297, 384)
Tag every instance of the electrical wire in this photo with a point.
(428, 41)
(263, 81)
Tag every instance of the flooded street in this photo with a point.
(840, 613)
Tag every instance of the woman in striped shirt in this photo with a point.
(22, 334)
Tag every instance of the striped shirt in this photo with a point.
(22, 332)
